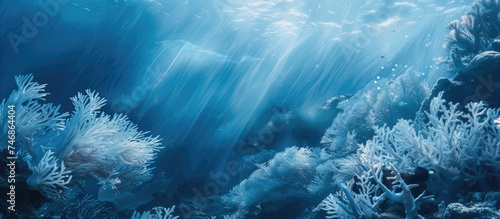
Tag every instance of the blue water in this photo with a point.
(206, 75)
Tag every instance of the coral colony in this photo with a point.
(64, 150)
(394, 150)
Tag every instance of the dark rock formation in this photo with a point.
(479, 81)
(495, 45)
(485, 63)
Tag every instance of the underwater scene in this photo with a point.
(250, 109)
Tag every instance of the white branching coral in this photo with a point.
(50, 178)
(33, 118)
(459, 146)
(88, 144)
(351, 205)
(28, 90)
(403, 196)
(156, 213)
(360, 198)
(105, 147)
(110, 182)
(383, 103)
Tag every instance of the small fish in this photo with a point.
(83, 8)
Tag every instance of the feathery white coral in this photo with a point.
(458, 146)
(28, 90)
(89, 144)
(159, 213)
(50, 178)
(39, 118)
(33, 119)
(100, 146)
(269, 185)
(351, 205)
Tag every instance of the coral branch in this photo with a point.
(51, 179)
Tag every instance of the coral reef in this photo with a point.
(65, 151)
(474, 34)
(269, 187)
(156, 213)
(459, 148)
(107, 148)
(50, 178)
(395, 149)
(386, 102)
(474, 47)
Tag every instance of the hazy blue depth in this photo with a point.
(199, 73)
